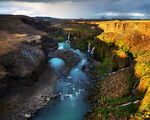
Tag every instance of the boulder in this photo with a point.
(70, 58)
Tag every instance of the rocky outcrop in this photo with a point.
(23, 101)
(70, 58)
(26, 80)
(23, 62)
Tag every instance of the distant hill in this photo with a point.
(47, 18)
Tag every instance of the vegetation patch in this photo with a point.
(61, 39)
(113, 107)
(104, 67)
(80, 45)
(77, 29)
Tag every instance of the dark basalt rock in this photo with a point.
(23, 62)
(39, 24)
(3, 72)
(70, 58)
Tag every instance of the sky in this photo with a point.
(133, 9)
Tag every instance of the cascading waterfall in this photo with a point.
(92, 51)
(68, 41)
(69, 36)
(89, 47)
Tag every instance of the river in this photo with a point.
(72, 104)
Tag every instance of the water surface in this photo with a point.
(72, 104)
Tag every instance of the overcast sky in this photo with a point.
(78, 8)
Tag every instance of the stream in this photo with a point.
(71, 105)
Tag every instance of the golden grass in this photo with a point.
(10, 42)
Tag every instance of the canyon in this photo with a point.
(119, 69)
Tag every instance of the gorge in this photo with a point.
(42, 77)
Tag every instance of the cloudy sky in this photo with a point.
(136, 9)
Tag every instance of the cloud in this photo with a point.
(47, 0)
(78, 8)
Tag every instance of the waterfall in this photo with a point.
(69, 36)
(68, 41)
(89, 47)
(92, 51)
(134, 89)
(126, 104)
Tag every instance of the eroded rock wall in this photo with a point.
(133, 39)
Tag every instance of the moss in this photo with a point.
(142, 69)
(121, 44)
(121, 100)
(80, 45)
(90, 41)
(145, 104)
(104, 37)
(103, 68)
(61, 39)
(106, 62)
(112, 106)
(81, 29)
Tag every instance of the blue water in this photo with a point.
(72, 104)
(57, 64)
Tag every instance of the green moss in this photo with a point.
(121, 100)
(80, 45)
(137, 54)
(80, 29)
(112, 106)
(103, 68)
(106, 62)
(143, 68)
(61, 39)
(90, 41)
(105, 37)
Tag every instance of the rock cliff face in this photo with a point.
(124, 44)
(26, 78)
(27, 81)
(134, 34)
(126, 27)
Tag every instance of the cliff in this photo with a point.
(27, 80)
(127, 41)
(24, 70)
